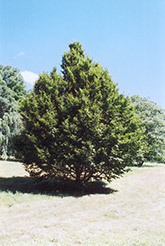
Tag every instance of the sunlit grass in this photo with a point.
(131, 215)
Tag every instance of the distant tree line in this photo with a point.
(12, 91)
(77, 125)
(152, 118)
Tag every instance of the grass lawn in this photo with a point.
(132, 213)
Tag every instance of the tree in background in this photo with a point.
(153, 120)
(77, 126)
(11, 92)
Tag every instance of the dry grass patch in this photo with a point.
(132, 216)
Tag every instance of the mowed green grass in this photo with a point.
(132, 214)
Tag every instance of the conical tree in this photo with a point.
(77, 126)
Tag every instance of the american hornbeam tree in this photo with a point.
(11, 92)
(153, 120)
(77, 126)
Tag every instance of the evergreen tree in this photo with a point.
(77, 126)
(11, 92)
(153, 120)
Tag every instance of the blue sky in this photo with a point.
(127, 37)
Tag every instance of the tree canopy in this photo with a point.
(77, 126)
(11, 92)
(153, 121)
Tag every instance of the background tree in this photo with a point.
(153, 121)
(11, 92)
(77, 126)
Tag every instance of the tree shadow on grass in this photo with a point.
(143, 166)
(146, 165)
(52, 187)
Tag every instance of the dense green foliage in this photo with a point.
(77, 126)
(11, 92)
(153, 121)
